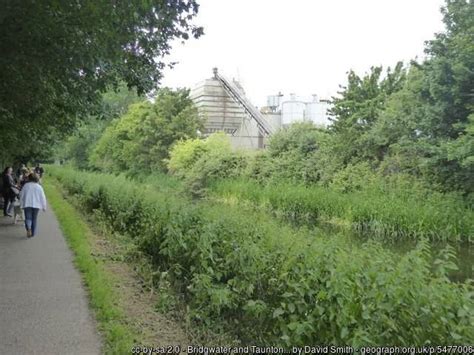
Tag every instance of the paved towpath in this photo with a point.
(43, 305)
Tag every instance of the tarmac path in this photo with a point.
(43, 305)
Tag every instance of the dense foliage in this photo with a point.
(417, 120)
(57, 56)
(357, 111)
(271, 284)
(199, 161)
(140, 139)
(391, 207)
(78, 147)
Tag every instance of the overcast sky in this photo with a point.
(301, 46)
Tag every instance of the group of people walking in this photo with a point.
(25, 191)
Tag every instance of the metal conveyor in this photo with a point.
(234, 92)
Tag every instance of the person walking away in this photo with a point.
(32, 199)
(9, 190)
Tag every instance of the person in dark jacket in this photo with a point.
(8, 191)
(39, 170)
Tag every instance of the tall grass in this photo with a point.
(384, 213)
(270, 284)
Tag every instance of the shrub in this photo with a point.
(353, 177)
(201, 161)
(184, 155)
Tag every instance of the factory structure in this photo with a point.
(225, 108)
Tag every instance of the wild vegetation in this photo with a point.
(379, 211)
(391, 207)
(268, 283)
(140, 139)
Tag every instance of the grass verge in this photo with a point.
(118, 337)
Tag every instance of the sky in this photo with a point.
(301, 46)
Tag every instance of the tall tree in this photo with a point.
(77, 148)
(357, 110)
(141, 139)
(56, 57)
(427, 123)
(417, 120)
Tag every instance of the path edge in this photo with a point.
(117, 337)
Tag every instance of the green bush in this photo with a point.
(353, 177)
(270, 284)
(184, 155)
(302, 153)
(200, 161)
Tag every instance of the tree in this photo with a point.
(426, 125)
(357, 110)
(77, 148)
(141, 139)
(56, 57)
(449, 76)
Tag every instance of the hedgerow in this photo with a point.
(271, 284)
(390, 207)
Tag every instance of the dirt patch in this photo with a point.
(136, 299)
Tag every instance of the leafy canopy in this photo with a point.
(77, 148)
(141, 139)
(416, 120)
(57, 56)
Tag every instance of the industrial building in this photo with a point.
(284, 110)
(225, 107)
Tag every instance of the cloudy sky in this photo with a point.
(301, 46)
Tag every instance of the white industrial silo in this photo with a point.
(292, 110)
(316, 111)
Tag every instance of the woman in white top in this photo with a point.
(32, 199)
